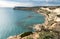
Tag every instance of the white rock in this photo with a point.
(37, 27)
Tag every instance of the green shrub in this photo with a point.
(26, 34)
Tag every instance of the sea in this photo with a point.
(14, 22)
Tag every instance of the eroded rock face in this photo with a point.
(57, 27)
(37, 27)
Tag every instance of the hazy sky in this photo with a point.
(29, 0)
(12, 3)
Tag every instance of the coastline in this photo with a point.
(47, 24)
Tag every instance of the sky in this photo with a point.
(29, 3)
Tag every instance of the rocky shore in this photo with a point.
(50, 29)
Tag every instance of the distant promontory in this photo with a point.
(31, 8)
(25, 8)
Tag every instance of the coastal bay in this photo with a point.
(50, 27)
(14, 22)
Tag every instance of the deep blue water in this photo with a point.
(14, 22)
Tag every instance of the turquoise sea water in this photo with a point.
(14, 22)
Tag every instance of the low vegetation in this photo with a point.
(25, 34)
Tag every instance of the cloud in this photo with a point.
(29, 4)
(12, 4)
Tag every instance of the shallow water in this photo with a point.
(14, 22)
